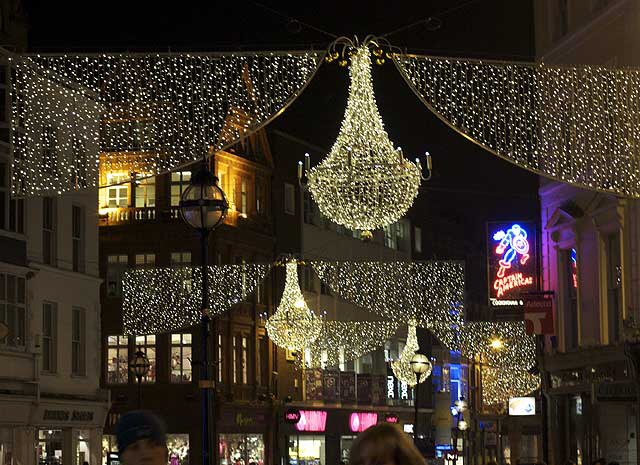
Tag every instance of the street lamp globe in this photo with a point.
(203, 204)
(463, 425)
(461, 404)
(420, 365)
(140, 364)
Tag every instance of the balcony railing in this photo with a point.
(109, 216)
(115, 216)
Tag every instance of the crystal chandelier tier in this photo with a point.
(402, 367)
(364, 183)
(293, 326)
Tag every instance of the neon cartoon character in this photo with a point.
(512, 243)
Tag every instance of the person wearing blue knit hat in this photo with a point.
(142, 439)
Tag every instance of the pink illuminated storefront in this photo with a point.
(324, 437)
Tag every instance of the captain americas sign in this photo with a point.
(513, 271)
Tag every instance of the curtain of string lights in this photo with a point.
(161, 300)
(429, 293)
(575, 124)
(364, 183)
(343, 341)
(160, 111)
(501, 384)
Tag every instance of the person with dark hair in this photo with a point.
(142, 439)
(384, 444)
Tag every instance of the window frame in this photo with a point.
(118, 346)
(150, 350)
(181, 345)
(78, 341)
(78, 238)
(49, 228)
(18, 303)
(50, 337)
(115, 270)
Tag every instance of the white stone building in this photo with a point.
(590, 260)
(51, 406)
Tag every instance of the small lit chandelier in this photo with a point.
(402, 368)
(293, 326)
(364, 183)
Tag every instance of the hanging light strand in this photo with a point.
(162, 300)
(156, 112)
(364, 183)
(402, 368)
(575, 124)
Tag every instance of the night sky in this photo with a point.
(469, 187)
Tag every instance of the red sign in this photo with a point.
(391, 418)
(538, 315)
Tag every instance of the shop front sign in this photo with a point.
(360, 421)
(538, 314)
(616, 391)
(391, 418)
(312, 421)
(67, 415)
(292, 416)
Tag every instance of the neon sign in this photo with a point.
(512, 261)
(574, 267)
(312, 420)
(360, 421)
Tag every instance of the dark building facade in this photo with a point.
(140, 226)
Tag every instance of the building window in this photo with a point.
(148, 345)
(179, 182)
(145, 260)
(240, 361)
(13, 309)
(181, 358)
(49, 336)
(246, 448)
(178, 449)
(259, 197)
(78, 344)
(117, 359)
(235, 359)
(390, 236)
(570, 313)
(417, 239)
(220, 358)
(145, 191)
(309, 279)
(183, 260)
(79, 164)
(261, 293)
(614, 286)
(77, 237)
(263, 361)
(49, 222)
(11, 210)
(50, 446)
(245, 361)
(116, 266)
(180, 259)
(289, 199)
(118, 190)
(243, 195)
(324, 289)
(49, 150)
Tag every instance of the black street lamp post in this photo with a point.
(204, 206)
(420, 364)
(139, 366)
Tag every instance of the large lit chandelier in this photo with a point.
(364, 183)
(402, 367)
(293, 326)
